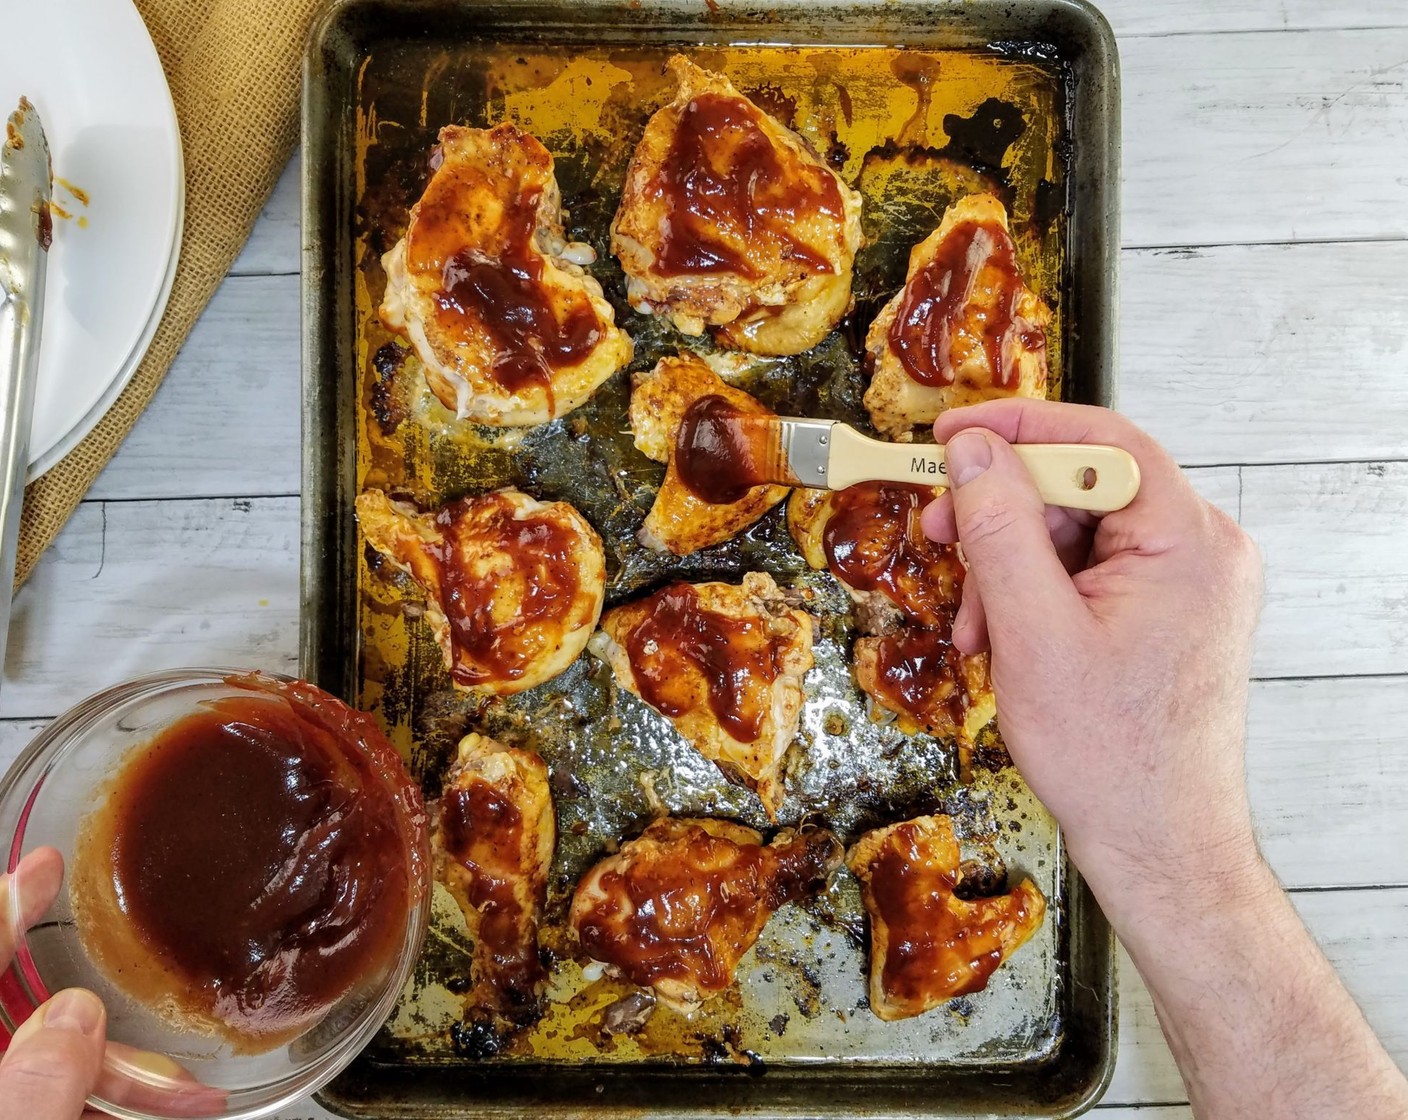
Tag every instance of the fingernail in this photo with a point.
(75, 1010)
(968, 455)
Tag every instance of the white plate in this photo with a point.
(91, 70)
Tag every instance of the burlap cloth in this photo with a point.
(234, 68)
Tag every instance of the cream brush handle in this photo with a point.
(1084, 476)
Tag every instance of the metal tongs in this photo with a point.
(26, 229)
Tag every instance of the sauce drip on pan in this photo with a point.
(498, 289)
(250, 866)
(964, 301)
(873, 543)
(680, 642)
(505, 583)
(731, 197)
(482, 829)
(720, 454)
(939, 946)
(921, 673)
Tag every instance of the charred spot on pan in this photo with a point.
(778, 1023)
(983, 139)
(387, 403)
(476, 1041)
(837, 154)
(1049, 203)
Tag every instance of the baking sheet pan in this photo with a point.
(915, 103)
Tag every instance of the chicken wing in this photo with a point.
(729, 220)
(494, 839)
(724, 664)
(677, 908)
(964, 328)
(680, 521)
(906, 590)
(514, 587)
(511, 330)
(927, 945)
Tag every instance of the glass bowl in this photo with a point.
(153, 1069)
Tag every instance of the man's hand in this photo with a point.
(54, 1060)
(1121, 649)
(1121, 646)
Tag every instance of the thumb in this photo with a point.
(54, 1059)
(1001, 522)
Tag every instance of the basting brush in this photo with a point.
(721, 453)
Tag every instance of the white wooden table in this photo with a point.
(1264, 333)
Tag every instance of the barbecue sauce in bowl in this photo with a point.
(252, 865)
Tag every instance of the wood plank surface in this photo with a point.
(1185, 17)
(1275, 137)
(1227, 353)
(1269, 136)
(226, 420)
(131, 587)
(1335, 541)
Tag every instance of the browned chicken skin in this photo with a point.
(724, 664)
(510, 329)
(729, 220)
(963, 329)
(680, 521)
(677, 908)
(927, 945)
(514, 587)
(493, 841)
(906, 589)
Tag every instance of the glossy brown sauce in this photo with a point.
(251, 865)
(501, 621)
(690, 908)
(500, 290)
(971, 286)
(481, 829)
(722, 452)
(679, 641)
(732, 194)
(873, 542)
(939, 947)
(46, 225)
(921, 673)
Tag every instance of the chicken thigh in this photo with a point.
(927, 945)
(680, 521)
(514, 587)
(964, 328)
(677, 908)
(509, 326)
(724, 664)
(728, 220)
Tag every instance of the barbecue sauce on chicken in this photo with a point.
(962, 302)
(728, 189)
(680, 644)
